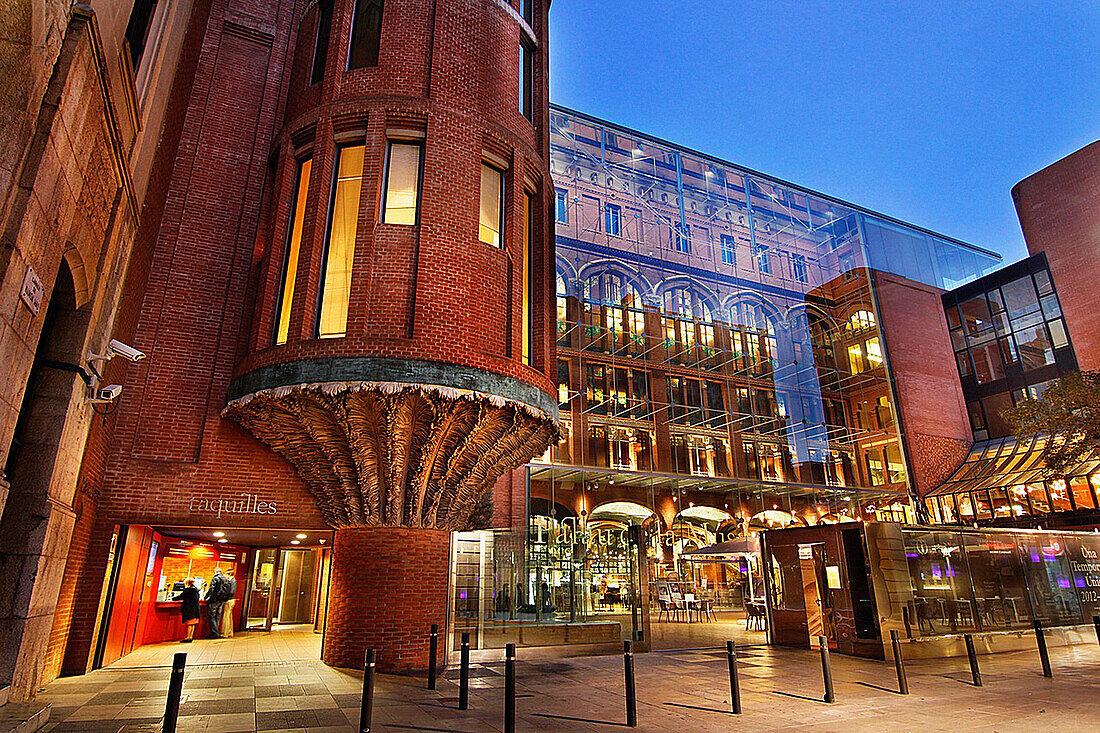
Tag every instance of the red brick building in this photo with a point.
(349, 265)
(330, 225)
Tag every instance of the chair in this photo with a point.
(679, 602)
(755, 619)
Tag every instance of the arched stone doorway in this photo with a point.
(38, 516)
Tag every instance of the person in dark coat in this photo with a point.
(189, 609)
(217, 593)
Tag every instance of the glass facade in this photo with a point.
(720, 371)
(1010, 341)
(1004, 481)
(996, 580)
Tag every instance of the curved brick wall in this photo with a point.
(387, 587)
(449, 72)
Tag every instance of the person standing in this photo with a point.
(216, 594)
(189, 609)
(230, 602)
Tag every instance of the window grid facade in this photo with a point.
(747, 361)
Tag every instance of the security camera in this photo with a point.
(106, 394)
(116, 347)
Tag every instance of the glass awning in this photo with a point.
(1003, 463)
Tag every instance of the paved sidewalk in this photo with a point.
(677, 691)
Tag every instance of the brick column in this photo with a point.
(388, 586)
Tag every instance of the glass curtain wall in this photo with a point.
(999, 580)
(720, 372)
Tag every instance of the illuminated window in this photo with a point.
(366, 34)
(492, 206)
(401, 189)
(320, 45)
(293, 247)
(860, 320)
(528, 273)
(332, 315)
(874, 353)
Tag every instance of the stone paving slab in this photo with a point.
(677, 692)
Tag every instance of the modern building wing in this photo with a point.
(718, 325)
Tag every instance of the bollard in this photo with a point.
(464, 673)
(826, 669)
(433, 650)
(735, 688)
(899, 663)
(175, 688)
(510, 689)
(973, 657)
(1096, 624)
(631, 699)
(1044, 656)
(366, 710)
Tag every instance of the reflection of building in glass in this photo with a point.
(1010, 341)
(719, 349)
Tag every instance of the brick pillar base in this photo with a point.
(388, 586)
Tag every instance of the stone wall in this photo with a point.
(70, 134)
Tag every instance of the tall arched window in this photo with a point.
(861, 320)
(614, 316)
(689, 323)
(563, 310)
(752, 337)
(864, 347)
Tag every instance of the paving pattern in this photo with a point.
(677, 691)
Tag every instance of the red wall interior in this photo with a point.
(135, 619)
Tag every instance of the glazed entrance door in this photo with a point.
(810, 557)
(262, 594)
(298, 580)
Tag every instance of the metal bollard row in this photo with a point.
(899, 663)
(1041, 642)
(631, 697)
(510, 689)
(464, 673)
(826, 669)
(432, 653)
(735, 686)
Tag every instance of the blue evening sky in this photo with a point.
(926, 111)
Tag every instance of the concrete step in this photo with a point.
(24, 717)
